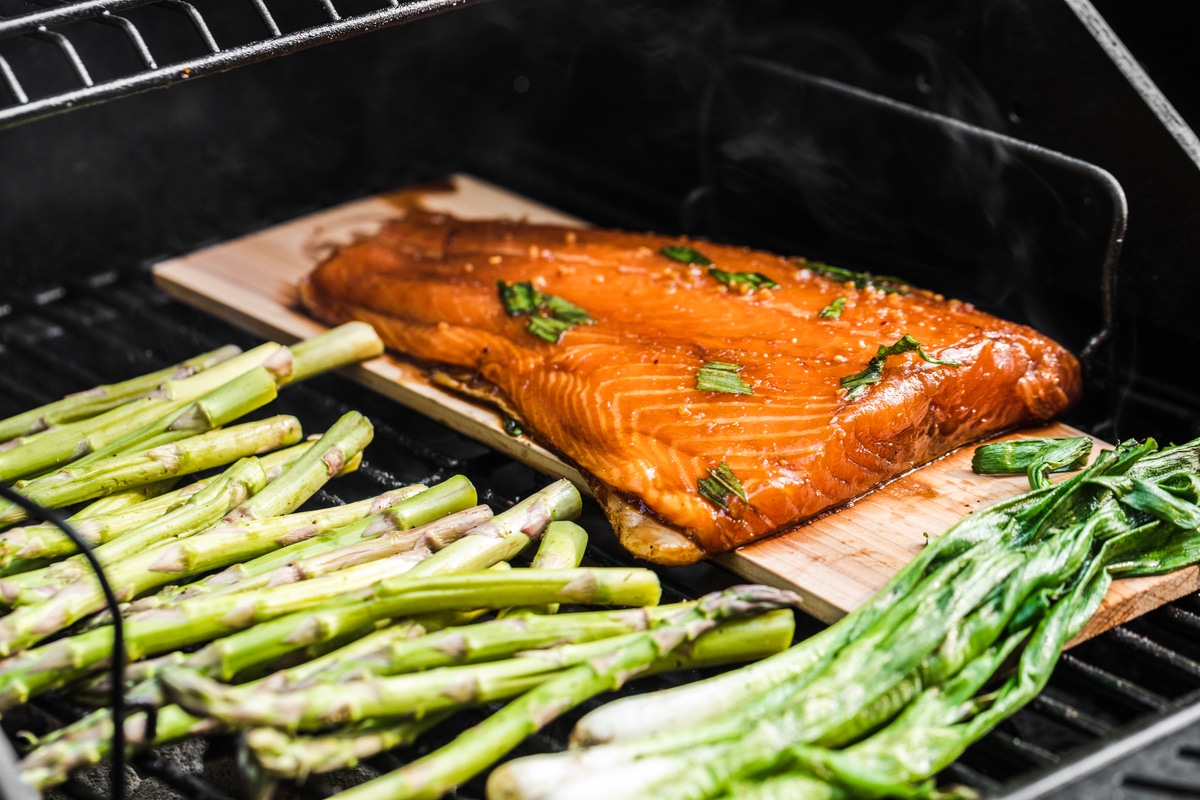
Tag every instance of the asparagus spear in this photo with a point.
(477, 748)
(115, 545)
(413, 507)
(416, 694)
(51, 764)
(85, 743)
(108, 531)
(194, 554)
(282, 755)
(201, 510)
(419, 542)
(562, 547)
(124, 500)
(126, 425)
(229, 401)
(345, 617)
(297, 757)
(99, 399)
(202, 619)
(184, 457)
(56, 447)
(508, 533)
(45, 540)
(337, 347)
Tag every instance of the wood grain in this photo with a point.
(835, 562)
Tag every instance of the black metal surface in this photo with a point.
(166, 67)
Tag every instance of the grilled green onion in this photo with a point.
(1035, 457)
(856, 384)
(720, 376)
(550, 316)
(861, 280)
(720, 483)
(753, 280)
(685, 255)
(834, 309)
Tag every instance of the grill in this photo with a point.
(747, 123)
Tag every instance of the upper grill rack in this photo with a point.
(113, 48)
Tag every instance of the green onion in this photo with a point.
(856, 384)
(550, 316)
(753, 280)
(720, 376)
(834, 309)
(720, 483)
(861, 280)
(518, 298)
(1035, 457)
(685, 255)
(512, 427)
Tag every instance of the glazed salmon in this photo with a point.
(708, 391)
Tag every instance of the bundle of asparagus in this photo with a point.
(427, 598)
(877, 704)
(346, 629)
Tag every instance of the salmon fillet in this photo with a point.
(617, 394)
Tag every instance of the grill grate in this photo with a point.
(101, 329)
(159, 50)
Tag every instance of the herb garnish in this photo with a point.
(861, 280)
(512, 427)
(686, 255)
(720, 483)
(550, 316)
(856, 384)
(834, 309)
(753, 280)
(721, 376)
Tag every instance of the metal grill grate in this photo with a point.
(104, 49)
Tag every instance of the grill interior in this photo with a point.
(634, 116)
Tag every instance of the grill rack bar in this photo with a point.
(161, 72)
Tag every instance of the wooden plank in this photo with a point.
(835, 562)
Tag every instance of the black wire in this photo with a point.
(117, 666)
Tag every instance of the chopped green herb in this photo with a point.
(563, 310)
(549, 328)
(720, 483)
(1035, 457)
(518, 298)
(753, 280)
(720, 376)
(685, 255)
(861, 280)
(856, 384)
(512, 427)
(834, 309)
(550, 316)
